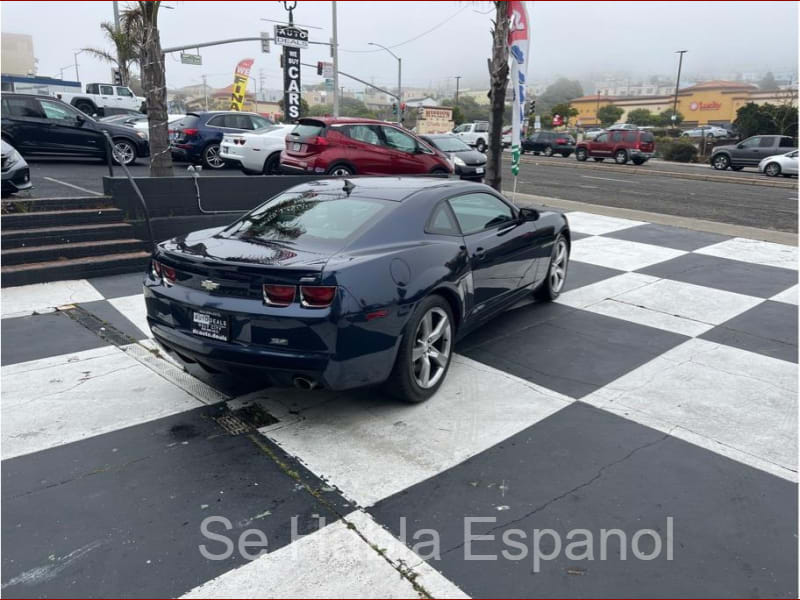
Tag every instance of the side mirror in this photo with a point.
(80, 119)
(528, 214)
(740, 146)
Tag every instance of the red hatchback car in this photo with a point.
(347, 146)
(620, 144)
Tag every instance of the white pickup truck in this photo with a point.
(474, 134)
(104, 99)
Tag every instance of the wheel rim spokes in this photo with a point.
(431, 352)
(212, 155)
(123, 153)
(558, 268)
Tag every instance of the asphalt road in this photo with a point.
(608, 185)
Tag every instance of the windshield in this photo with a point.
(449, 144)
(309, 219)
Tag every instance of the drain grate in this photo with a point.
(232, 424)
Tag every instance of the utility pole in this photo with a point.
(335, 56)
(677, 85)
(399, 79)
(75, 57)
(205, 93)
(458, 80)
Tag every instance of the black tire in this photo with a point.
(581, 154)
(772, 169)
(123, 152)
(639, 161)
(536, 153)
(548, 151)
(403, 382)
(566, 154)
(621, 157)
(341, 170)
(272, 166)
(736, 168)
(86, 107)
(720, 162)
(550, 288)
(211, 158)
(785, 175)
(480, 146)
(439, 171)
(597, 159)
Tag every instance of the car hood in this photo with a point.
(6, 148)
(471, 157)
(214, 245)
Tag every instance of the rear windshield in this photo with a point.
(646, 137)
(449, 144)
(786, 142)
(307, 129)
(308, 219)
(189, 121)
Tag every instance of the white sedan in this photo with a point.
(709, 131)
(142, 125)
(257, 151)
(779, 164)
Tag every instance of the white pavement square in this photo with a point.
(67, 398)
(591, 224)
(730, 401)
(754, 251)
(607, 288)
(620, 254)
(134, 309)
(789, 296)
(44, 297)
(372, 448)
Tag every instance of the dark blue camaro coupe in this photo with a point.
(345, 283)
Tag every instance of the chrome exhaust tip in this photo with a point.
(304, 383)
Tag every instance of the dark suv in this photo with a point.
(621, 145)
(750, 152)
(358, 146)
(197, 136)
(549, 143)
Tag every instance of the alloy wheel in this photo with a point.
(773, 169)
(123, 153)
(721, 162)
(432, 344)
(558, 267)
(213, 158)
(340, 172)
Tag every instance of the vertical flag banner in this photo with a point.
(518, 43)
(240, 77)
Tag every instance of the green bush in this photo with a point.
(676, 150)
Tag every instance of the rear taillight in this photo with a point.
(317, 296)
(278, 295)
(319, 141)
(239, 141)
(155, 270)
(561, 141)
(190, 131)
(169, 273)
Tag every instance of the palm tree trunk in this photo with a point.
(155, 88)
(498, 73)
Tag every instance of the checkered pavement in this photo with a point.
(661, 384)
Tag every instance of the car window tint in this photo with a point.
(123, 91)
(482, 127)
(216, 121)
(57, 111)
(630, 136)
(603, 137)
(239, 122)
(442, 222)
(107, 90)
(616, 136)
(92, 88)
(397, 140)
(476, 212)
(259, 122)
(16, 106)
(766, 142)
(752, 142)
(363, 133)
(646, 137)
(786, 143)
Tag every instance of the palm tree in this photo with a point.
(498, 78)
(126, 50)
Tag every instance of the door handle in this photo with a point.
(480, 253)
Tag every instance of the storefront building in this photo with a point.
(709, 103)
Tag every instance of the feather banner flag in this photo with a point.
(518, 44)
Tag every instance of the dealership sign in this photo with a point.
(705, 106)
(291, 83)
(293, 37)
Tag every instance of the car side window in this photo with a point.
(603, 137)
(476, 212)
(22, 107)
(92, 88)
(766, 142)
(259, 122)
(363, 133)
(616, 136)
(793, 154)
(397, 140)
(239, 122)
(56, 111)
(441, 221)
(482, 127)
(216, 121)
(786, 143)
(630, 136)
(123, 91)
(753, 142)
(107, 90)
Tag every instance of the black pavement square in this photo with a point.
(732, 527)
(577, 354)
(580, 274)
(105, 311)
(130, 505)
(769, 328)
(41, 336)
(668, 237)
(118, 286)
(724, 274)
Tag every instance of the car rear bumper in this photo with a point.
(634, 153)
(17, 180)
(472, 172)
(184, 154)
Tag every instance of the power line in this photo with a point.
(413, 39)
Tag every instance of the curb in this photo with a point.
(766, 235)
(675, 174)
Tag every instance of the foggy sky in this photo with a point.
(580, 40)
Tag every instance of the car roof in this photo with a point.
(328, 120)
(43, 96)
(394, 189)
(203, 113)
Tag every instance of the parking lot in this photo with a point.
(657, 394)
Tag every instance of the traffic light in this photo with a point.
(319, 67)
(532, 107)
(116, 76)
(265, 42)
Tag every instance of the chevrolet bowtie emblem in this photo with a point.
(209, 285)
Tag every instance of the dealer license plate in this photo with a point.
(211, 326)
(479, 170)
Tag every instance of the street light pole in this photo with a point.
(335, 56)
(75, 57)
(399, 78)
(677, 85)
(458, 80)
